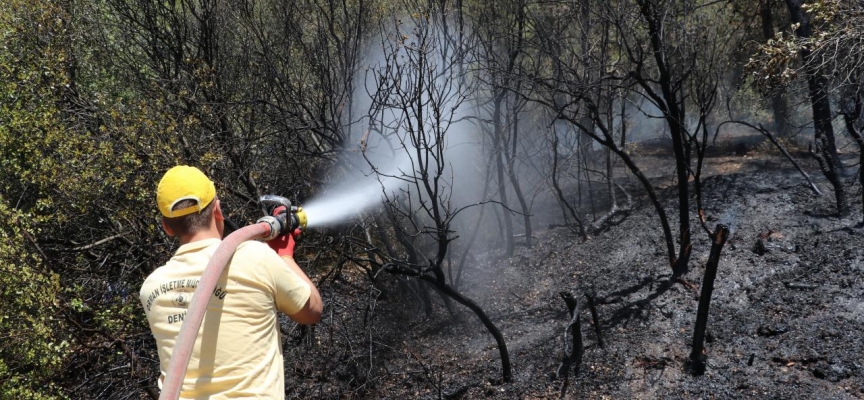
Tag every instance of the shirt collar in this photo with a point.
(197, 245)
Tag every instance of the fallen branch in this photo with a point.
(97, 243)
(689, 285)
(789, 157)
(600, 223)
(780, 147)
(429, 375)
(772, 330)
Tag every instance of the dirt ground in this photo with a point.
(786, 318)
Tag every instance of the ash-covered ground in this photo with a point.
(786, 318)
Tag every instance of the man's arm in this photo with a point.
(283, 245)
(311, 311)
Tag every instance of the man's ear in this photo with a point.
(217, 211)
(167, 229)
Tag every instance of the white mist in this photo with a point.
(347, 200)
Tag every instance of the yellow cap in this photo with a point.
(184, 183)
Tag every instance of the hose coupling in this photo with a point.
(275, 226)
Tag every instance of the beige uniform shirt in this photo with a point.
(238, 351)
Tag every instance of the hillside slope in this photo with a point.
(787, 315)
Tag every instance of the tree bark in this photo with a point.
(574, 349)
(697, 356)
(498, 149)
(850, 118)
(673, 113)
(779, 107)
(506, 369)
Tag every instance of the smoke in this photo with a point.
(730, 217)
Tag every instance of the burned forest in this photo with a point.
(520, 199)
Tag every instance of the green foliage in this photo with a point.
(80, 158)
(31, 351)
(834, 42)
(747, 103)
(774, 66)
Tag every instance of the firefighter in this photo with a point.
(238, 351)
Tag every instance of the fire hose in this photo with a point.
(266, 228)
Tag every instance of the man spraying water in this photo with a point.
(237, 352)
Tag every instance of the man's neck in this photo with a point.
(198, 236)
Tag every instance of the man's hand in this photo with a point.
(284, 244)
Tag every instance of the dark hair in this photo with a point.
(190, 223)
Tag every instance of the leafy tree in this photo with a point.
(80, 158)
(824, 52)
(32, 349)
(824, 138)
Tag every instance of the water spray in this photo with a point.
(364, 193)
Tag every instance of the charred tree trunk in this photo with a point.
(851, 115)
(789, 157)
(696, 363)
(826, 147)
(673, 113)
(423, 295)
(513, 56)
(573, 347)
(504, 159)
(565, 205)
(608, 140)
(517, 187)
(778, 102)
(475, 231)
(597, 327)
(437, 280)
(506, 369)
(860, 140)
(498, 132)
